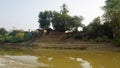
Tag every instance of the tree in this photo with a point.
(3, 32)
(112, 14)
(61, 21)
(44, 19)
(65, 22)
(69, 22)
(64, 17)
(64, 9)
(96, 29)
(93, 29)
(77, 22)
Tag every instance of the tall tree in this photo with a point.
(44, 19)
(61, 21)
(64, 16)
(64, 9)
(112, 14)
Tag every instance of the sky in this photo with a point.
(23, 14)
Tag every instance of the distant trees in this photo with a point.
(61, 21)
(15, 36)
(97, 30)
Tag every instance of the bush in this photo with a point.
(2, 40)
(12, 39)
(16, 38)
(102, 39)
(20, 36)
(28, 36)
(77, 37)
(117, 40)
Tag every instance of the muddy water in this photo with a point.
(62, 59)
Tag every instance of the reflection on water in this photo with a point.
(63, 59)
(8, 61)
(32, 60)
(78, 59)
(84, 63)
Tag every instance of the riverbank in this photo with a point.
(66, 44)
(77, 44)
(59, 42)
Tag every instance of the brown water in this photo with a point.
(62, 59)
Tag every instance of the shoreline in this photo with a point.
(78, 45)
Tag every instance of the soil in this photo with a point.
(58, 42)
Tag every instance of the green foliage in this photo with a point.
(44, 19)
(112, 14)
(117, 40)
(20, 36)
(15, 37)
(106, 30)
(2, 40)
(102, 39)
(28, 36)
(10, 39)
(3, 31)
(93, 29)
(96, 29)
(13, 33)
(61, 21)
(64, 9)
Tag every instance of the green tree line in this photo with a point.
(110, 27)
(61, 21)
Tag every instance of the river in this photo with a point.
(62, 59)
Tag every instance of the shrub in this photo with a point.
(13, 39)
(102, 39)
(2, 40)
(16, 38)
(20, 36)
(117, 40)
(28, 36)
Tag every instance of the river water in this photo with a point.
(62, 59)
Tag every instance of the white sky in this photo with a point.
(23, 14)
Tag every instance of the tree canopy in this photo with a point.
(3, 31)
(112, 14)
(61, 20)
